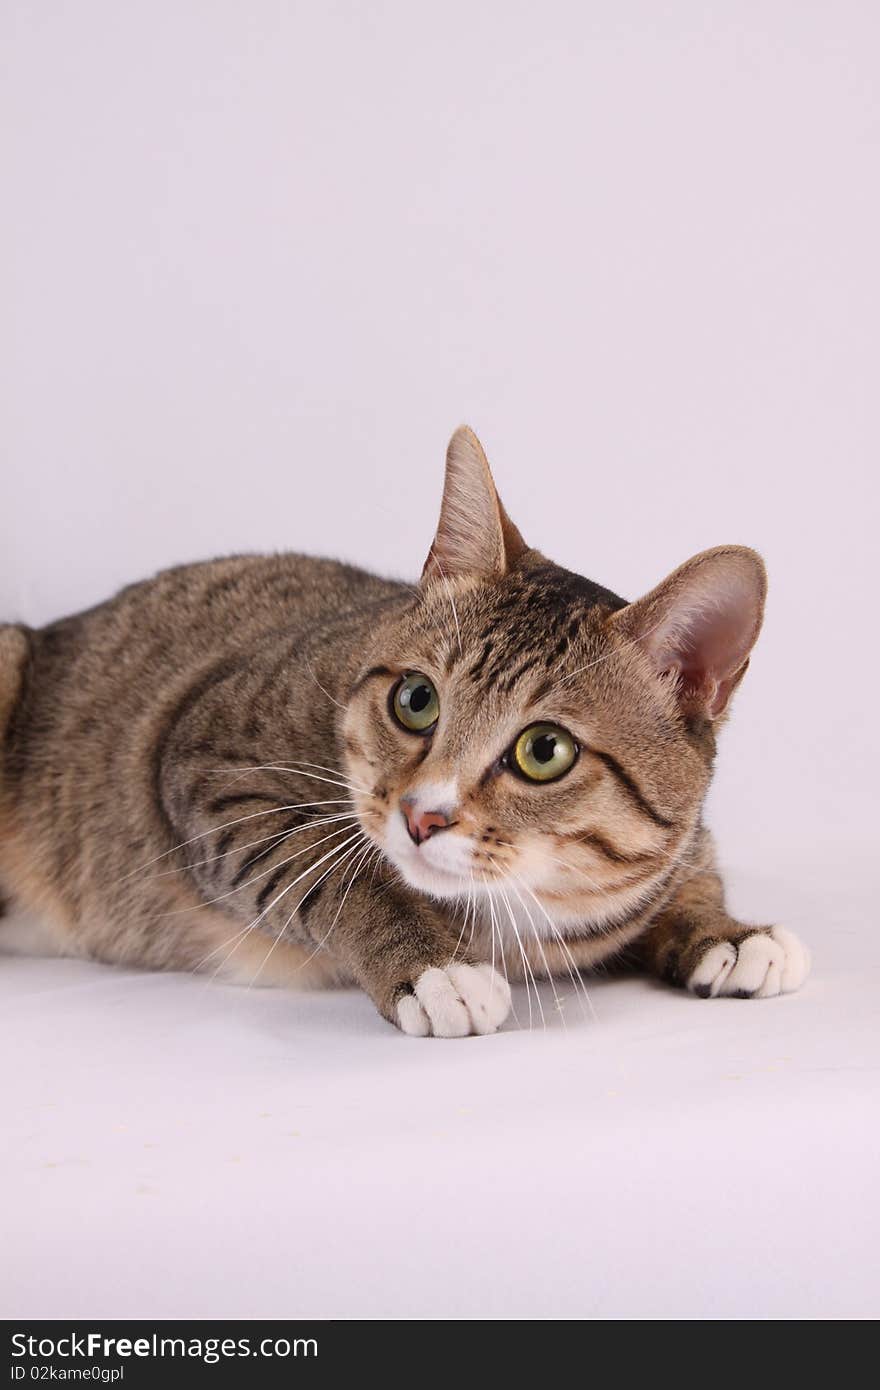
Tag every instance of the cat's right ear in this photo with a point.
(475, 536)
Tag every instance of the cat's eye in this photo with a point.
(544, 752)
(415, 703)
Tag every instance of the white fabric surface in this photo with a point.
(176, 1148)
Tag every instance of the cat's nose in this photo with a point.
(422, 824)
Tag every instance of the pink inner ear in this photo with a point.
(709, 626)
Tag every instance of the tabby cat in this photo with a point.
(286, 770)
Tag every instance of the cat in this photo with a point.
(286, 770)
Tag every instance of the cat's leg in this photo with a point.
(410, 957)
(694, 943)
(336, 913)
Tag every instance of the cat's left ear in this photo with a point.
(699, 626)
(475, 536)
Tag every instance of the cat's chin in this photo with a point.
(441, 869)
(435, 882)
(418, 872)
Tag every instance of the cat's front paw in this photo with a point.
(454, 1002)
(757, 967)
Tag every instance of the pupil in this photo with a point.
(544, 748)
(419, 698)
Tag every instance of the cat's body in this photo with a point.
(228, 768)
(84, 795)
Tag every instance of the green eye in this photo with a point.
(543, 752)
(415, 704)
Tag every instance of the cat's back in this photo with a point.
(158, 634)
(231, 601)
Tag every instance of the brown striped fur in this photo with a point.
(162, 760)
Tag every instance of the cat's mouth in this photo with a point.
(428, 879)
(440, 865)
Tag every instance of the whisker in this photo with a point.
(686, 843)
(279, 835)
(209, 902)
(493, 927)
(606, 656)
(227, 825)
(320, 686)
(574, 868)
(492, 981)
(359, 864)
(659, 878)
(526, 962)
(332, 869)
(451, 599)
(504, 965)
(576, 976)
(464, 920)
(337, 849)
(537, 937)
(295, 770)
(573, 973)
(527, 970)
(377, 860)
(337, 771)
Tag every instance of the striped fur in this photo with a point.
(163, 803)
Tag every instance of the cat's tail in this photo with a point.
(15, 648)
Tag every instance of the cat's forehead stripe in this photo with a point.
(537, 629)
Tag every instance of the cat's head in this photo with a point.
(522, 730)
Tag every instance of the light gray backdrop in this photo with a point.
(258, 259)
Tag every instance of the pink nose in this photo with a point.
(422, 824)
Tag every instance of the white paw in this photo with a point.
(768, 963)
(454, 1002)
